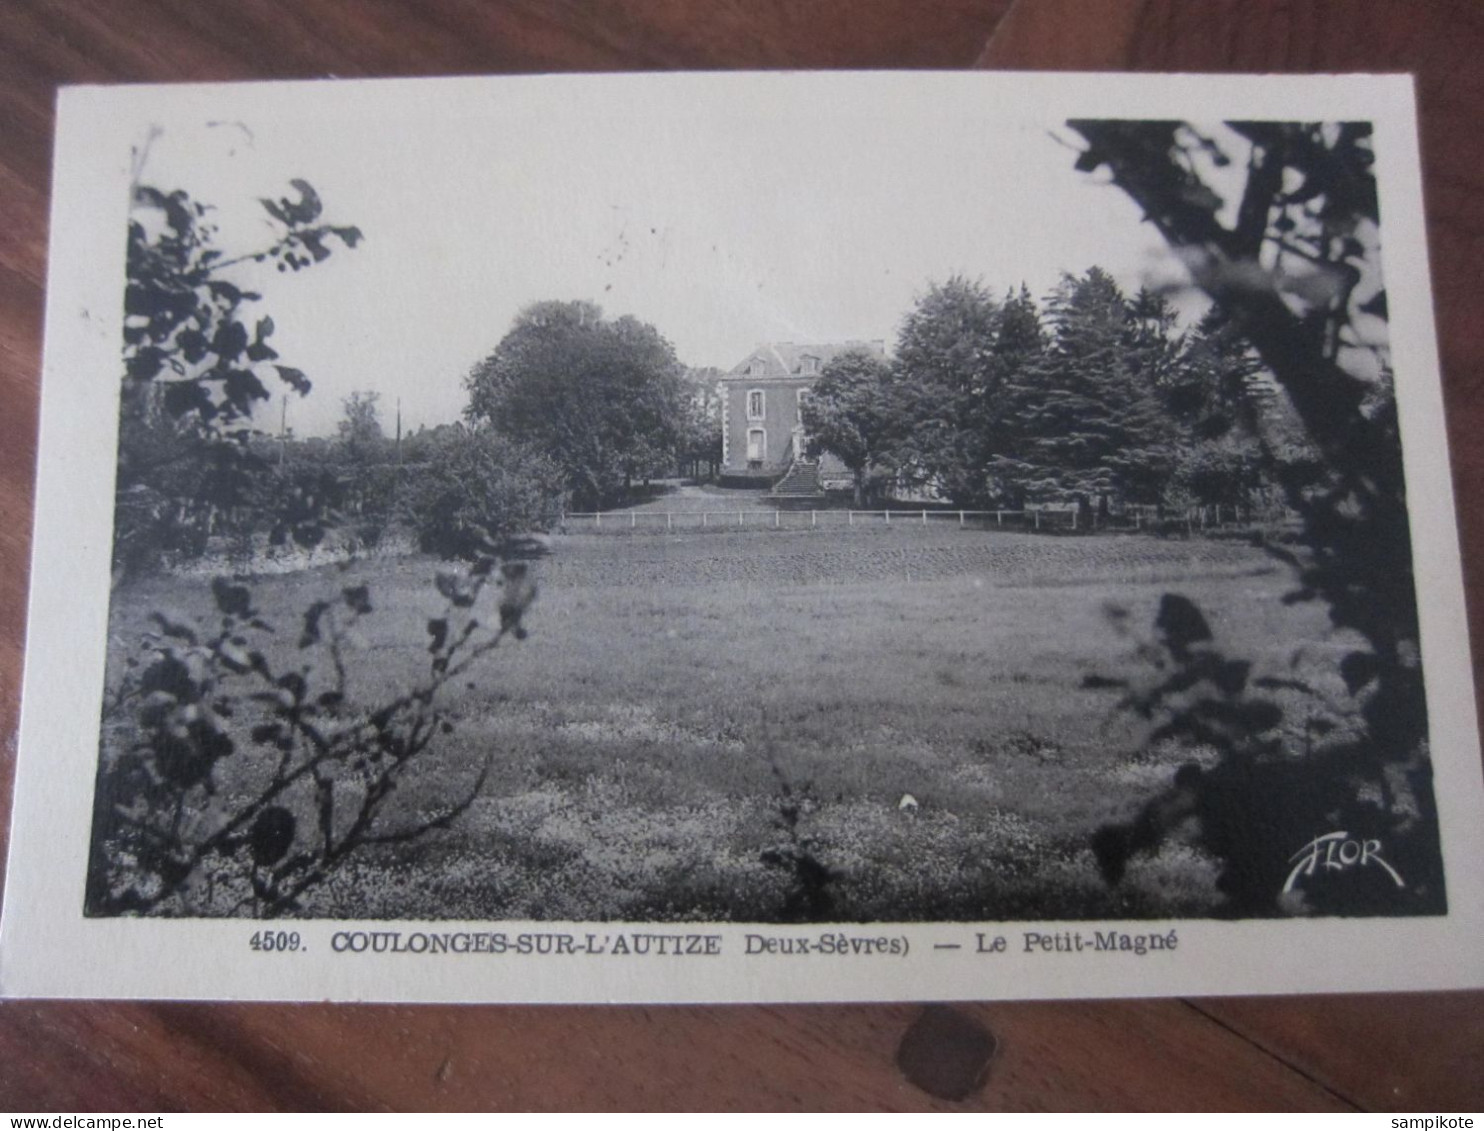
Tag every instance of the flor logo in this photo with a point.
(1337, 852)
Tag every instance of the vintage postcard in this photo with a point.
(743, 538)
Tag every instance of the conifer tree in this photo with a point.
(1089, 419)
(951, 386)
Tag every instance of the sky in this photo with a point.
(724, 222)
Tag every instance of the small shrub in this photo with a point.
(475, 485)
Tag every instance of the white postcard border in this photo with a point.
(50, 949)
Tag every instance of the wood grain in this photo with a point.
(1407, 1051)
(1110, 1056)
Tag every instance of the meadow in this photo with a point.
(752, 725)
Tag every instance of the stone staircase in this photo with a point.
(799, 485)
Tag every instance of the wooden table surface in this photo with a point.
(1324, 1053)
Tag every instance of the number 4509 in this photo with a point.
(274, 940)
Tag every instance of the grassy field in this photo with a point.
(680, 695)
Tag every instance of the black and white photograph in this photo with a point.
(779, 503)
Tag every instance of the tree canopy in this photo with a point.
(951, 382)
(605, 399)
(359, 429)
(1085, 419)
(849, 412)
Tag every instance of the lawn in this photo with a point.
(695, 715)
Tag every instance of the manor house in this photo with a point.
(762, 434)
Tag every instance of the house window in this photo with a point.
(811, 364)
(757, 444)
(754, 404)
(757, 368)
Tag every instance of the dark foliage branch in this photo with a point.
(239, 786)
(195, 362)
(1291, 271)
(186, 327)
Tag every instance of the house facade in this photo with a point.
(762, 431)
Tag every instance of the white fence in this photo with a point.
(1034, 518)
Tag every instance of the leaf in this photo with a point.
(272, 835)
(1358, 669)
(242, 387)
(185, 397)
(295, 212)
(438, 630)
(176, 629)
(260, 350)
(145, 364)
(229, 341)
(295, 378)
(350, 236)
(311, 634)
(233, 295)
(233, 600)
(309, 206)
(234, 658)
(294, 684)
(316, 245)
(358, 598)
(1181, 623)
(192, 344)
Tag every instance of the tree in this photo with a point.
(850, 412)
(951, 379)
(605, 399)
(1231, 431)
(701, 447)
(359, 428)
(195, 361)
(1297, 267)
(1084, 421)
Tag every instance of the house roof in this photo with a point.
(786, 359)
